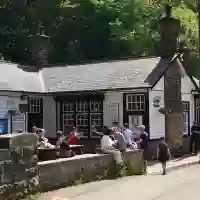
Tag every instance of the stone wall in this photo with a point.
(18, 165)
(62, 172)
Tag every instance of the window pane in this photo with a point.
(135, 102)
(34, 105)
(96, 106)
(97, 124)
(68, 107)
(82, 106)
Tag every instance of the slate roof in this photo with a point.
(138, 73)
(15, 79)
(162, 66)
(99, 76)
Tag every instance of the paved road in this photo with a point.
(182, 184)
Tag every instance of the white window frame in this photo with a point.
(66, 125)
(140, 102)
(20, 119)
(197, 110)
(186, 122)
(82, 106)
(81, 126)
(96, 126)
(96, 104)
(34, 105)
(69, 106)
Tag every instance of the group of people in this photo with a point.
(117, 139)
(62, 142)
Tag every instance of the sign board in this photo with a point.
(4, 125)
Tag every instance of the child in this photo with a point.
(163, 154)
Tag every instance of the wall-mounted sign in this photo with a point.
(4, 125)
(156, 101)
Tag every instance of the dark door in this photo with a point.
(35, 113)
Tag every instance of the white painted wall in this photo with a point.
(49, 116)
(156, 119)
(113, 106)
(9, 101)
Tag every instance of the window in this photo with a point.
(34, 105)
(68, 107)
(96, 106)
(197, 110)
(82, 124)
(82, 106)
(135, 102)
(186, 119)
(68, 119)
(83, 114)
(18, 122)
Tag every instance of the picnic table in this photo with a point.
(51, 153)
(78, 149)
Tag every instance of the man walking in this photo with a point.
(194, 138)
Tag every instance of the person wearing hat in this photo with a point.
(143, 143)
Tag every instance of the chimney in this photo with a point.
(39, 49)
(169, 32)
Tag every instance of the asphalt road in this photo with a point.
(182, 184)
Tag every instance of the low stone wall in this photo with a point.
(62, 172)
(18, 165)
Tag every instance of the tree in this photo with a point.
(90, 29)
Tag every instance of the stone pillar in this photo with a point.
(172, 99)
(18, 164)
(49, 116)
(169, 32)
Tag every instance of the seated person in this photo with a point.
(63, 147)
(109, 146)
(59, 138)
(42, 140)
(121, 141)
(73, 137)
(34, 129)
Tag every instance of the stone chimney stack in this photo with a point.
(169, 32)
(39, 49)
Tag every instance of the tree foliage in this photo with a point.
(83, 30)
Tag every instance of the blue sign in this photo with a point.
(4, 125)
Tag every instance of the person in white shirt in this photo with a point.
(108, 146)
(121, 141)
(129, 137)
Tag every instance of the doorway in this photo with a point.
(134, 120)
(35, 113)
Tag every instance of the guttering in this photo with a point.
(100, 91)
